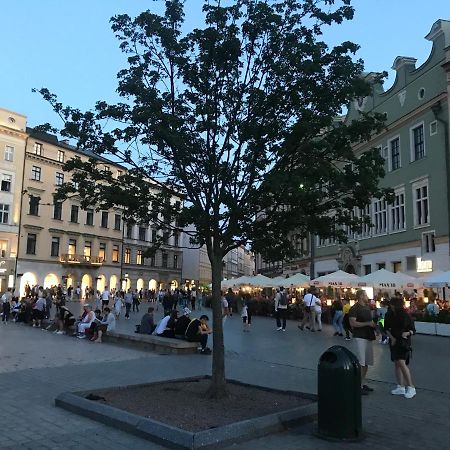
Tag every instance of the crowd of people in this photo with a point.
(390, 320)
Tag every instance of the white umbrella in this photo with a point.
(384, 279)
(235, 282)
(260, 281)
(437, 279)
(338, 279)
(279, 281)
(297, 280)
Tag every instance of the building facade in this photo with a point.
(411, 234)
(60, 243)
(47, 243)
(13, 139)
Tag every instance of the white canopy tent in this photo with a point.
(240, 281)
(297, 280)
(384, 279)
(338, 279)
(438, 279)
(260, 281)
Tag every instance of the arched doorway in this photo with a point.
(27, 278)
(101, 283)
(70, 280)
(140, 284)
(51, 280)
(153, 285)
(173, 285)
(86, 281)
(349, 268)
(113, 282)
(126, 284)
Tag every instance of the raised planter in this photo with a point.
(433, 328)
(177, 438)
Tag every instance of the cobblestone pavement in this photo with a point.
(35, 366)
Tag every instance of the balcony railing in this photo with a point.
(81, 259)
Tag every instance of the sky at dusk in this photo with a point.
(69, 46)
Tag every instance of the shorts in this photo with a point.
(400, 353)
(105, 302)
(364, 351)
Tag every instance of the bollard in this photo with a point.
(339, 395)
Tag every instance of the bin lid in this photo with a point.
(338, 357)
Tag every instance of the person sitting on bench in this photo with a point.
(182, 324)
(107, 324)
(147, 322)
(197, 331)
(166, 327)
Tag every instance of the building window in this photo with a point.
(87, 249)
(165, 260)
(127, 259)
(102, 252)
(367, 269)
(139, 257)
(398, 212)
(89, 216)
(38, 148)
(9, 153)
(36, 173)
(59, 179)
(54, 250)
(74, 214)
(3, 248)
(57, 210)
(380, 216)
(72, 246)
(31, 244)
(166, 238)
(129, 231)
(428, 243)
(421, 211)
(34, 205)
(104, 223)
(394, 147)
(115, 254)
(366, 214)
(396, 266)
(176, 239)
(4, 213)
(154, 235)
(117, 220)
(60, 156)
(6, 183)
(418, 142)
(119, 173)
(411, 263)
(381, 266)
(142, 231)
(175, 261)
(106, 169)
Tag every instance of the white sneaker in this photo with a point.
(60, 332)
(279, 328)
(410, 392)
(399, 390)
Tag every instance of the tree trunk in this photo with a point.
(218, 388)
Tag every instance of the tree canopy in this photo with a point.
(240, 119)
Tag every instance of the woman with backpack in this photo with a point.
(281, 309)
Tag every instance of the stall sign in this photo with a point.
(388, 285)
(424, 266)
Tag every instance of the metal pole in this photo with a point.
(312, 251)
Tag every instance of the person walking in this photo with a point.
(128, 302)
(360, 317)
(281, 309)
(399, 326)
(136, 301)
(309, 312)
(318, 312)
(338, 317)
(345, 309)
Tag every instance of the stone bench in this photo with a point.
(151, 343)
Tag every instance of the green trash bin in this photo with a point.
(339, 395)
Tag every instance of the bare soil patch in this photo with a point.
(183, 404)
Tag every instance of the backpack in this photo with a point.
(283, 299)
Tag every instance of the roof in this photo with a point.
(53, 139)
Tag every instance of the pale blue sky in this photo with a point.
(69, 47)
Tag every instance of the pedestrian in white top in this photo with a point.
(107, 324)
(318, 310)
(105, 297)
(309, 311)
(117, 306)
(86, 321)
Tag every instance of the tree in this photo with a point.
(240, 119)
